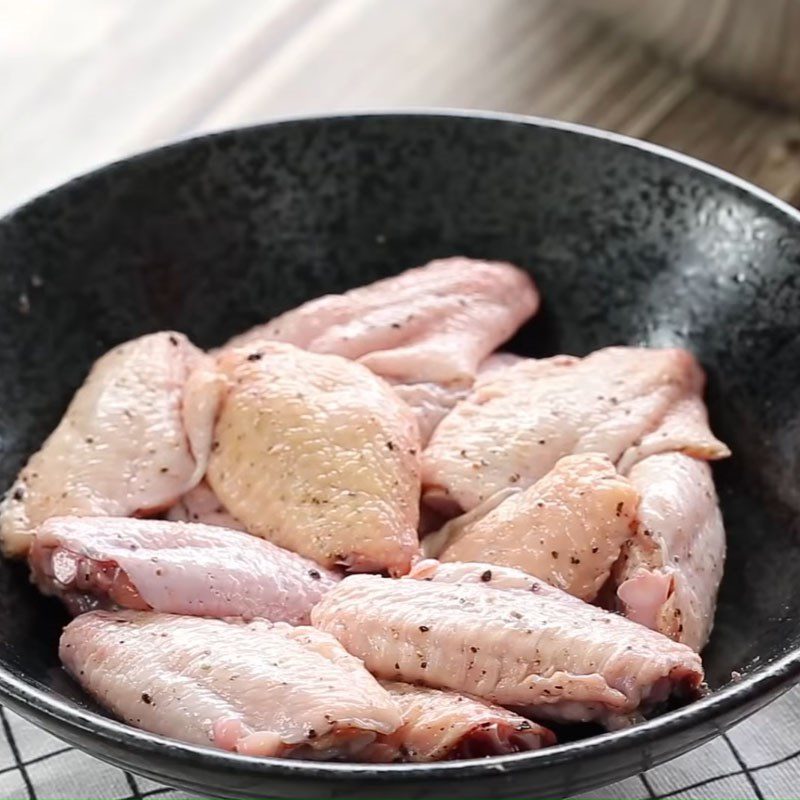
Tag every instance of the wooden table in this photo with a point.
(87, 81)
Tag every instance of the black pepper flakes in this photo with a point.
(390, 445)
(554, 553)
(595, 549)
(18, 494)
(146, 698)
(620, 506)
(424, 628)
(314, 574)
(486, 576)
(255, 356)
(573, 560)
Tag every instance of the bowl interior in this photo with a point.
(216, 234)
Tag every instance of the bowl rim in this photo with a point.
(765, 680)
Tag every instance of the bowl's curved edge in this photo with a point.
(716, 711)
(457, 113)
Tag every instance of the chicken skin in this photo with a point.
(434, 323)
(135, 437)
(567, 529)
(441, 725)
(174, 567)
(318, 455)
(624, 402)
(541, 650)
(670, 571)
(432, 402)
(257, 688)
(202, 505)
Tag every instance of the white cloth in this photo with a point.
(760, 758)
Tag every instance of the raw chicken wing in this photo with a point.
(671, 569)
(441, 725)
(135, 437)
(259, 688)
(318, 455)
(174, 567)
(434, 323)
(544, 651)
(625, 402)
(566, 529)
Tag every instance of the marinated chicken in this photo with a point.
(572, 553)
(671, 569)
(259, 688)
(441, 725)
(567, 529)
(624, 402)
(135, 437)
(430, 324)
(318, 455)
(545, 652)
(173, 567)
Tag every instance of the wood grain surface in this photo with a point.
(87, 81)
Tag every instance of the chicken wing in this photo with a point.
(568, 528)
(625, 402)
(430, 324)
(671, 569)
(135, 437)
(259, 688)
(318, 455)
(546, 652)
(441, 725)
(174, 567)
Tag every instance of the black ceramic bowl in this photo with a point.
(629, 243)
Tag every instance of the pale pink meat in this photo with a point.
(483, 574)
(259, 688)
(318, 455)
(567, 528)
(202, 505)
(174, 567)
(671, 569)
(439, 725)
(624, 402)
(544, 651)
(435, 323)
(135, 437)
(432, 402)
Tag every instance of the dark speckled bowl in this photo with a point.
(628, 242)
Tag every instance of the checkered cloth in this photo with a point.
(758, 759)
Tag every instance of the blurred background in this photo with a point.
(87, 81)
